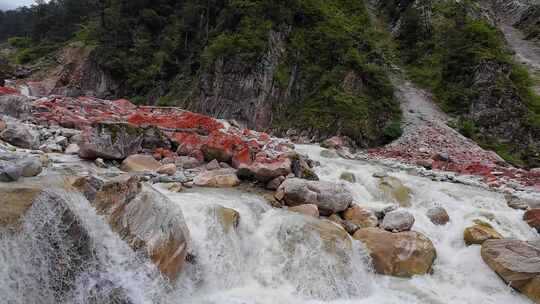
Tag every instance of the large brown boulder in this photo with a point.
(517, 263)
(328, 197)
(402, 254)
(146, 219)
(361, 217)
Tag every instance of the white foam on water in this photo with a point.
(271, 257)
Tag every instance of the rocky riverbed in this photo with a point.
(106, 202)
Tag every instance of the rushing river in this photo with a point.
(270, 258)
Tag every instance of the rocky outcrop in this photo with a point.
(233, 90)
(147, 220)
(77, 73)
(517, 263)
(328, 197)
(111, 141)
(403, 254)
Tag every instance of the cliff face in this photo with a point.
(74, 73)
(248, 94)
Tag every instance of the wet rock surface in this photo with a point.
(329, 197)
(517, 263)
(403, 254)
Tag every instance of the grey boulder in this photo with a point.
(328, 197)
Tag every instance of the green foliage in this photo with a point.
(442, 51)
(20, 42)
(393, 130)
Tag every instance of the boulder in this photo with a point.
(16, 106)
(58, 234)
(143, 217)
(308, 245)
(228, 218)
(302, 169)
(265, 169)
(31, 166)
(517, 263)
(153, 138)
(187, 162)
(168, 169)
(438, 216)
(479, 233)
(515, 202)
(9, 172)
(21, 135)
(361, 217)
(213, 165)
(308, 209)
(348, 176)
(111, 141)
(72, 149)
(532, 217)
(222, 178)
(140, 163)
(329, 197)
(351, 228)
(275, 183)
(398, 221)
(402, 254)
(394, 190)
(15, 200)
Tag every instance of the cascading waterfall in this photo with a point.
(273, 256)
(65, 253)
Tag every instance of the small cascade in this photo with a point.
(65, 253)
(244, 251)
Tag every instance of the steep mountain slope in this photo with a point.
(455, 50)
(313, 66)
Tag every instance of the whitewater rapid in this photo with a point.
(243, 267)
(270, 257)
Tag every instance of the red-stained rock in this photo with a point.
(265, 168)
(8, 91)
(221, 146)
(532, 217)
(242, 157)
(161, 153)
